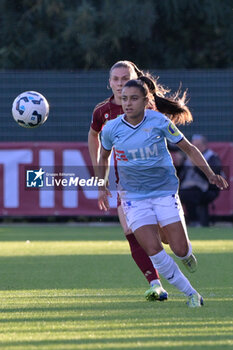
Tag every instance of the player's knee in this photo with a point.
(181, 249)
(152, 250)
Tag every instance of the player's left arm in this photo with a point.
(197, 158)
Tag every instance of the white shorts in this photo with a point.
(152, 211)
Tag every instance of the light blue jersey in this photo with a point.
(144, 164)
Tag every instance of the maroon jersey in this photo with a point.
(103, 112)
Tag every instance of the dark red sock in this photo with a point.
(142, 259)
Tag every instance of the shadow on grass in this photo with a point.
(70, 233)
(67, 272)
(59, 233)
(126, 342)
(98, 271)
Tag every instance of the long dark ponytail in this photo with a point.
(174, 107)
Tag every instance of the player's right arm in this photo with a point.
(94, 147)
(103, 166)
(103, 171)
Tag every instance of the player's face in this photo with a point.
(118, 78)
(133, 103)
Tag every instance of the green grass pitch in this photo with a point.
(71, 287)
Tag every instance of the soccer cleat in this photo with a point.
(195, 300)
(156, 293)
(190, 263)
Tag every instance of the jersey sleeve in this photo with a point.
(171, 132)
(106, 138)
(96, 123)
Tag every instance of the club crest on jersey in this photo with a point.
(173, 130)
(106, 115)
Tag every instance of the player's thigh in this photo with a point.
(149, 239)
(123, 222)
(163, 235)
(138, 213)
(170, 216)
(177, 238)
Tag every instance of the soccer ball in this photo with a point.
(30, 109)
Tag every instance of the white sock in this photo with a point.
(152, 283)
(188, 254)
(171, 272)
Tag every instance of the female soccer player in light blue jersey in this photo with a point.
(147, 179)
(109, 109)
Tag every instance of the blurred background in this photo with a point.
(64, 50)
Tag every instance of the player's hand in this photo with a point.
(219, 181)
(103, 203)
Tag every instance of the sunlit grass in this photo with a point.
(106, 319)
(32, 248)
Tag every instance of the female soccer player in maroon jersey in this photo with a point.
(120, 73)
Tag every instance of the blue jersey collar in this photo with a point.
(130, 125)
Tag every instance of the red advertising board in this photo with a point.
(19, 198)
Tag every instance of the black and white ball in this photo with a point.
(30, 109)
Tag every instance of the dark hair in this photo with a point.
(174, 107)
(139, 84)
(143, 87)
(127, 64)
